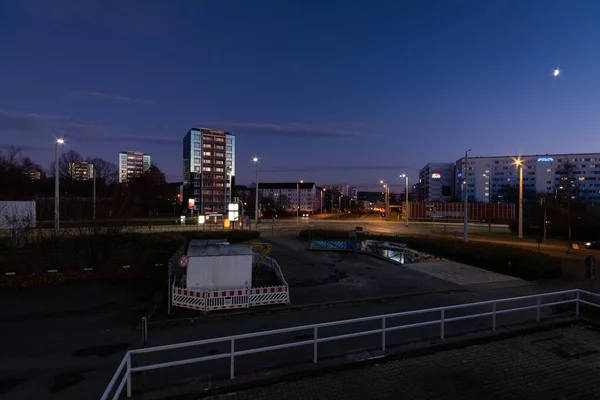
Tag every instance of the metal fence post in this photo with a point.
(494, 317)
(577, 304)
(144, 331)
(315, 345)
(231, 371)
(442, 328)
(383, 334)
(539, 302)
(128, 375)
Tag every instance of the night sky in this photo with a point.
(325, 91)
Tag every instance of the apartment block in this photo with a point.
(208, 168)
(81, 171)
(290, 195)
(496, 179)
(132, 164)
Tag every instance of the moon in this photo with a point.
(556, 72)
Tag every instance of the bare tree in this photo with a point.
(105, 170)
(65, 162)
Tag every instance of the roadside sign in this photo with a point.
(352, 234)
(183, 261)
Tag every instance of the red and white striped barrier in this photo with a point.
(226, 299)
(269, 295)
(188, 299)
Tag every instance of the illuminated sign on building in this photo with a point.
(436, 175)
(191, 203)
(545, 159)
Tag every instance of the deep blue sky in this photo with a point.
(335, 91)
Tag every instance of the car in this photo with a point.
(593, 245)
(305, 215)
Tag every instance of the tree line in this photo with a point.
(147, 195)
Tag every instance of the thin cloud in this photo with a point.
(341, 167)
(25, 147)
(25, 122)
(162, 140)
(99, 133)
(290, 130)
(116, 97)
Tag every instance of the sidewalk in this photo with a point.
(557, 364)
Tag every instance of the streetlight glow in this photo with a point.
(255, 159)
(60, 140)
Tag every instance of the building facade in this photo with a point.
(132, 164)
(290, 195)
(81, 171)
(208, 169)
(436, 182)
(496, 179)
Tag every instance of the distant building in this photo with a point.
(496, 179)
(289, 195)
(132, 164)
(436, 182)
(81, 171)
(208, 169)
(33, 174)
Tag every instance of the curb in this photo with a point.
(285, 309)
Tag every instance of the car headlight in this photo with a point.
(588, 244)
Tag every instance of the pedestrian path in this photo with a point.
(558, 364)
(462, 274)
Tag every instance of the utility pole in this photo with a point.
(466, 199)
(59, 141)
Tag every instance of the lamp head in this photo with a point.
(255, 159)
(60, 140)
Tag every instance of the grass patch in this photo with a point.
(102, 249)
(525, 264)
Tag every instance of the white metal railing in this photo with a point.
(125, 369)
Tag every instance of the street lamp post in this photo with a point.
(255, 160)
(298, 201)
(386, 198)
(519, 164)
(466, 199)
(406, 198)
(489, 193)
(94, 203)
(59, 141)
(322, 190)
(228, 181)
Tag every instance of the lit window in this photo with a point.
(206, 169)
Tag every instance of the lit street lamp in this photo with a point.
(466, 199)
(406, 198)
(255, 160)
(322, 190)
(59, 141)
(519, 164)
(386, 199)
